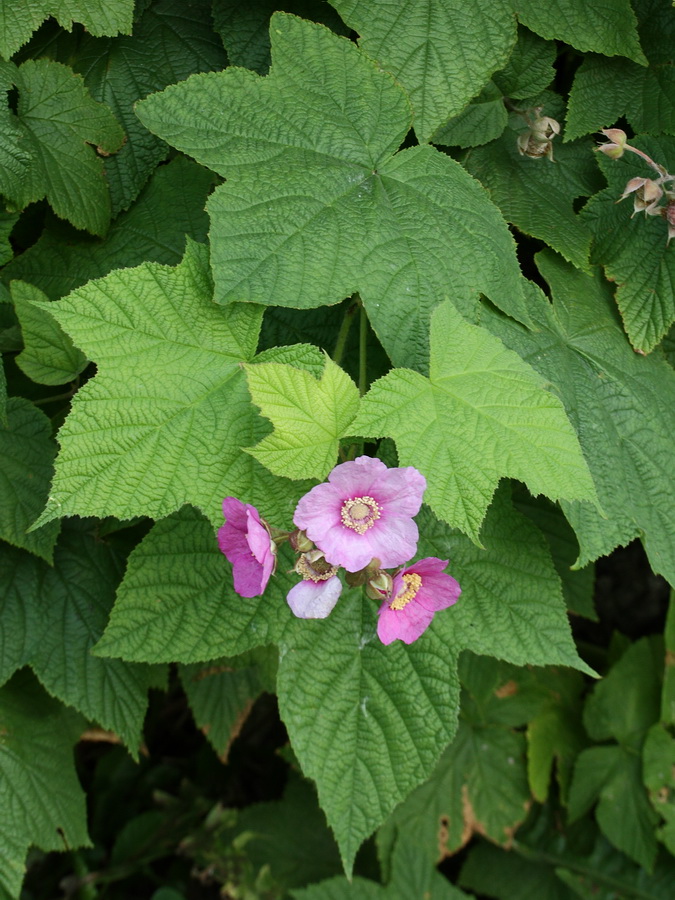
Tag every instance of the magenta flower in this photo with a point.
(364, 511)
(318, 592)
(418, 592)
(246, 542)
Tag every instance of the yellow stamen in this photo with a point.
(360, 513)
(412, 583)
(314, 569)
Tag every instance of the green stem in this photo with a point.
(363, 352)
(343, 333)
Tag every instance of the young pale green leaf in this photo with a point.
(163, 421)
(170, 206)
(221, 695)
(245, 27)
(634, 251)
(609, 28)
(58, 119)
(367, 722)
(19, 20)
(317, 206)
(441, 52)
(171, 40)
(309, 417)
(604, 90)
(49, 356)
(481, 415)
(537, 195)
(26, 465)
(41, 797)
(621, 404)
(658, 757)
(177, 602)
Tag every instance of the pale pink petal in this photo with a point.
(393, 540)
(357, 476)
(400, 491)
(402, 624)
(314, 600)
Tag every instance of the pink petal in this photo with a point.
(405, 624)
(314, 600)
(357, 477)
(400, 491)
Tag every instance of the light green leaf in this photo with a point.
(26, 465)
(537, 195)
(621, 404)
(309, 417)
(441, 52)
(316, 207)
(58, 119)
(41, 797)
(244, 27)
(170, 206)
(604, 89)
(19, 20)
(481, 415)
(49, 356)
(609, 28)
(634, 251)
(177, 602)
(163, 421)
(367, 722)
(171, 40)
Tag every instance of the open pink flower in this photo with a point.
(318, 592)
(364, 511)
(246, 542)
(418, 592)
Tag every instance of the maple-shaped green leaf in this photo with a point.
(49, 356)
(163, 421)
(171, 40)
(26, 465)
(441, 52)
(169, 207)
(41, 796)
(634, 251)
(609, 27)
(58, 119)
(538, 195)
(309, 417)
(481, 415)
(245, 27)
(604, 89)
(19, 20)
(318, 205)
(621, 404)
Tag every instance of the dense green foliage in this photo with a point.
(243, 242)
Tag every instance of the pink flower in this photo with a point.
(418, 592)
(364, 511)
(246, 542)
(316, 595)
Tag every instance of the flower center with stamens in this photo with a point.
(360, 513)
(412, 583)
(314, 567)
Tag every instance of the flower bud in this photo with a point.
(380, 585)
(617, 142)
(300, 542)
(647, 194)
(537, 140)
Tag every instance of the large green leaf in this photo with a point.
(659, 778)
(19, 20)
(27, 453)
(604, 90)
(481, 415)
(164, 420)
(170, 206)
(621, 404)
(634, 251)
(49, 356)
(609, 27)
(171, 40)
(441, 51)
(309, 417)
(318, 205)
(41, 797)
(58, 119)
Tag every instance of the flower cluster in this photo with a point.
(360, 520)
(647, 192)
(537, 141)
